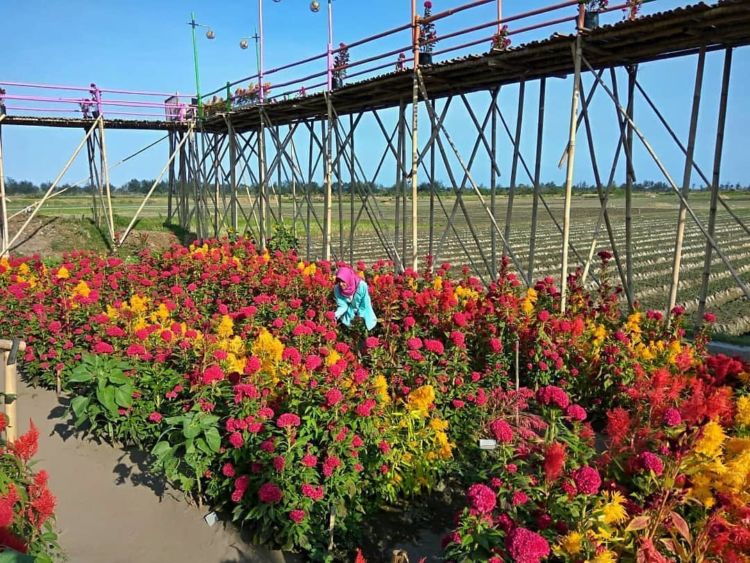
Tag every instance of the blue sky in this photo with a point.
(146, 45)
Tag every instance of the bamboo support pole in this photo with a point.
(105, 180)
(30, 218)
(629, 179)
(4, 246)
(577, 54)
(414, 169)
(433, 134)
(735, 275)
(687, 174)
(151, 190)
(10, 375)
(537, 174)
(716, 177)
(339, 191)
(352, 225)
(401, 139)
(514, 164)
(262, 183)
(327, 205)
(493, 176)
(232, 174)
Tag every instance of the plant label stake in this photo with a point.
(487, 444)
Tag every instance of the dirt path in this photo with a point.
(109, 511)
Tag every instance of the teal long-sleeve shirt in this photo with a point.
(358, 305)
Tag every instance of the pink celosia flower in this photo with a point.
(587, 480)
(481, 498)
(269, 493)
(526, 546)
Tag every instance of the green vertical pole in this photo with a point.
(229, 97)
(197, 74)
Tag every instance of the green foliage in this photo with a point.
(283, 239)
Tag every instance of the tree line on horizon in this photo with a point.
(136, 186)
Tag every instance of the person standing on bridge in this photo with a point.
(353, 298)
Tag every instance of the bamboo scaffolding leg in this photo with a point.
(687, 174)
(327, 204)
(629, 179)
(233, 174)
(414, 172)
(493, 176)
(399, 178)
(716, 177)
(740, 283)
(537, 174)
(262, 181)
(351, 191)
(150, 191)
(3, 201)
(339, 192)
(569, 172)
(94, 181)
(433, 133)
(514, 164)
(105, 180)
(30, 218)
(171, 179)
(10, 375)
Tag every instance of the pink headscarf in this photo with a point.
(351, 279)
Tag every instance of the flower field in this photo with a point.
(615, 438)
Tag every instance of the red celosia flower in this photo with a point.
(526, 546)
(315, 492)
(618, 425)
(333, 397)
(482, 498)
(3, 422)
(43, 507)
(576, 412)
(227, 470)
(269, 493)
(103, 348)
(554, 461)
(288, 419)
(27, 445)
(236, 439)
(155, 417)
(8, 539)
(297, 516)
(552, 395)
(519, 498)
(587, 480)
(309, 460)
(651, 462)
(278, 463)
(502, 431)
(6, 513)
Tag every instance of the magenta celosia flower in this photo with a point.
(213, 373)
(155, 417)
(434, 346)
(651, 462)
(313, 361)
(314, 492)
(502, 431)
(227, 470)
(365, 407)
(269, 493)
(526, 546)
(587, 480)
(288, 419)
(103, 348)
(519, 498)
(279, 462)
(672, 417)
(481, 498)
(236, 439)
(309, 460)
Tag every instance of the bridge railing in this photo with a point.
(463, 30)
(88, 102)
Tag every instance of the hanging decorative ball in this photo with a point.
(210, 34)
(243, 44)
(315, 6)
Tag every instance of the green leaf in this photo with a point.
(161, 449)
(79, 405)
(80, 374)
(213, 439)
(124, 396)
(190, 429)
(203, 446)
(106, 396)
(15, 557)
(118, 378)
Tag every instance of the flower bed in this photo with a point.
(615, 436)
(26, 504)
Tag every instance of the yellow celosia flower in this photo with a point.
(332, 358)
(742, 418)
(5, 263)
(420, 399)
(269, 350)
(527, 305)
(23, 269)
(438, 424)
(381, 388)
(445, 450)
(465, 293)
(614, 512)
(235, 364)
(605, 556)
(139, 324)
(138, 303)
(226, 327)
(63, 273)
(709, 444)
(112, 313)
(437, 283)
(571, 543)
(81, 288)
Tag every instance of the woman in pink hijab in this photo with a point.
(353, 298)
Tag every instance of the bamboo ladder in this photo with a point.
(8, 361)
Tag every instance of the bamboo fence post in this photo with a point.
(719, 147)
(569, 173)
(687, 174)
(10, 349)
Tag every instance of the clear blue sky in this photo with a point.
(142, 44)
